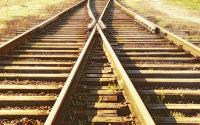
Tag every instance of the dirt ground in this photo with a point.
(183, 21)
(23, 14)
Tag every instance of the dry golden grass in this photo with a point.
(16, 14)
(179, 21)
(188, 4)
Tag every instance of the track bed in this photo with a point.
(98, 99)
(77, 71)
(33, 74)
(165, 75)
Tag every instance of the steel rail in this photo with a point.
(187, 46)
(133, 96)
(136, 103)
(9, 45)
(63, 31)
(92, 24)
(102, 14)
(74, 76)
(52, 118)
(155, 73)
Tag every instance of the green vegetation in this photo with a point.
(195, 37)
(171, 14)
(113, 87)
(160, 99)
(131, 2)
(82, 122)
(189, 4)
(176, 114)
(135, 4)
(23, 8)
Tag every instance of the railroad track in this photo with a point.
(117, 68)
(17, 30)
(98, 98)
(35, 66)
(184, 32)
(98, 91)
(165, 75)
(97, 7)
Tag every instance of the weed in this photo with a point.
(182, 96)
(113, 87)
(176, 114)
(160, 99)
(81, 122)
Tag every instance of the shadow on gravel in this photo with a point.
(130, 66)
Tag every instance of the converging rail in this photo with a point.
(98, 63)
(163, 67)
(35, 65)
(101, 90)
(98, 91)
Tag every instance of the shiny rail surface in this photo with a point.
(163, 67)
(97, 7)
(98, 63)
(35, 65)
(98, 90)
(97, 99)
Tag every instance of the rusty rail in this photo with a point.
(9, 45)
(92, 24)
(187, 46)
(136, 104)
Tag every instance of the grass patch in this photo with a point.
(185, 22)
(134, 4)
(189, 4)
(17, 14)
(176, 114)
(23, 8)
